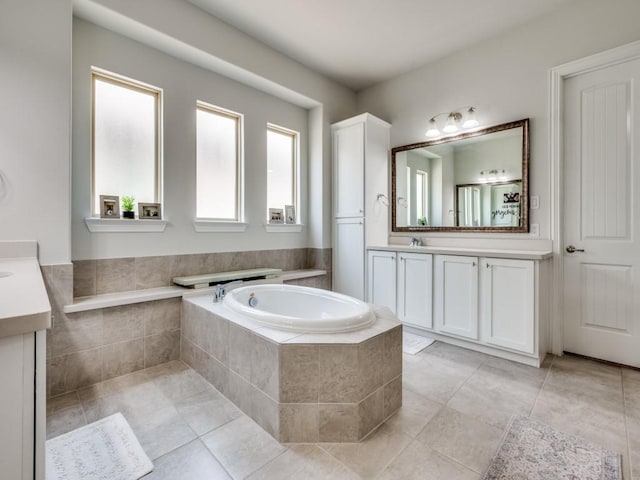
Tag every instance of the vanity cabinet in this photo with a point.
(360, 150)
(382, 275)
(507, 293)
(495, 305)
(415, 295)
(456, 295)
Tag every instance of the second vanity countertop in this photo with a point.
(24, 304)
(472, 252)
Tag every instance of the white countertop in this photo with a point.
(475, 252)
(24, 304)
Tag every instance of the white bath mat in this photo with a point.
(413, 344)
(104, 450)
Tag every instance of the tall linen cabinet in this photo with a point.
(360, 197)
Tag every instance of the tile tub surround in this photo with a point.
(96, 277)
(90, 347)
(298, 387)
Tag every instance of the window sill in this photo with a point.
(213, 226)
(119, 225)
(283, 227)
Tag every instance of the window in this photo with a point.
(126, 139)
(421, 197)
(218, 165)
(282, 167)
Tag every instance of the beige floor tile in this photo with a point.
(521, 369)
(419, 461)
(462, 438)
(207, 410)
(190, 462)
(593, 422)
(65, 420)
(161, 431)
(307, 462)
(433, 377)
(369, 457)
(494, 395)
(112, 386)
(464, 360)
(242, 447)
(183, 384)
(133, 401)
(415, 413)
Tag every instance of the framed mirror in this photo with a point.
(472, 182)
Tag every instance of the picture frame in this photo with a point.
(149, 211)
(276, 216)
(109, 206)
(290, 214)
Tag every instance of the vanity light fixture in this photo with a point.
(493, 175)
(454, 122)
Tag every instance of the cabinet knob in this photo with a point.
(473, 264)
(488, 266)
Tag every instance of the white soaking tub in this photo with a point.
(300, 309)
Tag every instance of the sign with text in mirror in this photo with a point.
(476, 181)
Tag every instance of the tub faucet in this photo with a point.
(221, 290)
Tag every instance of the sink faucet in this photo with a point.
(415, 242)
(221, 290)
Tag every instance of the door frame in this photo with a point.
(557, 77)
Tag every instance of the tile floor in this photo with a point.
(457, 404)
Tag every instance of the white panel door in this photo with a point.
(602, 214)
(415, 274)
(382, 279)
(456, 295)
(507, 303)
(349, 257)
(348, 168)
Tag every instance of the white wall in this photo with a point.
(507, 79)
(499, 154)
(183, 84)
(35, 75)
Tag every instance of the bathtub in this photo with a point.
(300, 309)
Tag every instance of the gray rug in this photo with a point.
(533, 451)
(104, 450)
(413, 344)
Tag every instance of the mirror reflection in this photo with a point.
(472, 181)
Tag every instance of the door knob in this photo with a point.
(572, 249)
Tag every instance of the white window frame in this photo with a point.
(295, 193)
(238, 224)
(125, 82)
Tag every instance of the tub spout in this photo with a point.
(221, 290)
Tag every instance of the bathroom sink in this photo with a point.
(5, 274)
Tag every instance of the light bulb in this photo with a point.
(433, 129)
(451, 126)
(470, 121)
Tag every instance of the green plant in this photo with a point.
(127, 203)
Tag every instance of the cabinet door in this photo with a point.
(17, 371)
(507, 303)
(348, 168)
(415, 272)
(456, 295)
(348, 257)
(382, 279)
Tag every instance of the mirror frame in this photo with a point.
(523, 228)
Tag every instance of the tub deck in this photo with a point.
(299, 387)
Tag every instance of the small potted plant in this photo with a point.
(127, 207)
